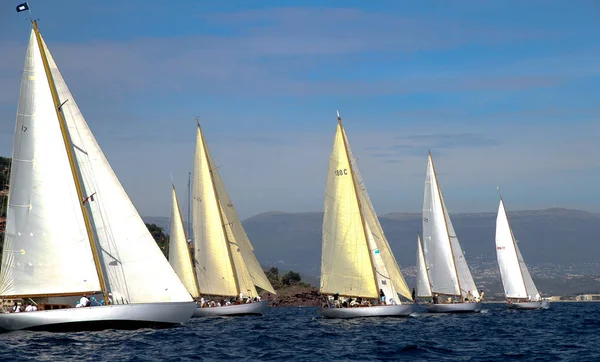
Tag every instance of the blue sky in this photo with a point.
(503, 93)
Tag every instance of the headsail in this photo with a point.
(516, 279)
(179, 252)
(388, 273)
(215, 215)
(46, 248)
(136, 268)
(236, 230)
(423, 289)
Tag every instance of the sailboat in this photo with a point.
(520, 291)
(423, 289)
(225, 270)
(357, 264)
(71, 229)
(448, 272)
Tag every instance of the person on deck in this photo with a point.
(84, 301)
(469, 296)
(29, 308)
(16, 308)
(480, 295)
(414, 298)
(435, 299)
(382, 296)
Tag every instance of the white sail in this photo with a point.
(436, 242)
(46, 248)
(516, 279)
(346, 266)
(387, 270)
(237, 232)
(465, 279)
(423, 289)
(136, 269)
(214, 268)
(179, 252)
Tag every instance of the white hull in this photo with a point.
(256, 308)
(402, 310)
(454, 308)
(118, 316)
(528, 305)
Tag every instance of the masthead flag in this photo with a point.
(22, 7)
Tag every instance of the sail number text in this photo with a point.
(341, 172)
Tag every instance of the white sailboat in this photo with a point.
(71, 229)
(449, 273)
(357, 264)
(423, 289)
(519, 288)
(226, 270)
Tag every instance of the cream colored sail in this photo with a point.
(236, 229)
(346, 266)
(136, 269)
(179, 252)
(516, 279)
(214, 268)
(423, 289)
(46, 247)
(387, 269)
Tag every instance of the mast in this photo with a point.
(189, 198)
(360, 211)
(74, 170)
(514, 243)
(214, 188)
(186, 241)
(445, 223)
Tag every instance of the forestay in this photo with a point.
(136, 268)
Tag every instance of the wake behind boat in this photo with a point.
(359, 274)
(450, 282)
(71, 229)
(519, 288)
(223, 273)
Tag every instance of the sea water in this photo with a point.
(566, 331)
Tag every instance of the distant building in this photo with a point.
(588, 297)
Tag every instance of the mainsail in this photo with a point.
(448, 270)
(46, 198)
(423, 289)
(226, 264)
(516, 279)
(356, 257)
(179, 253)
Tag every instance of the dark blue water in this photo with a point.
(567, 331)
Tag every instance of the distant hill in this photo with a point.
(292, 241)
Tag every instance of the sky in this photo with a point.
(503, 93)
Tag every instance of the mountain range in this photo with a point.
(292, 241)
